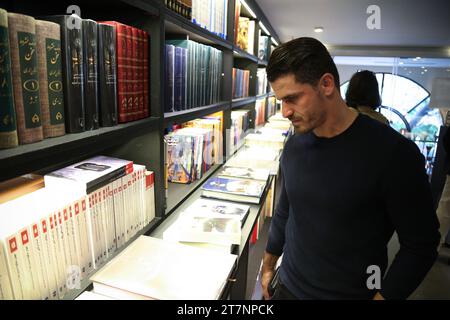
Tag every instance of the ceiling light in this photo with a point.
(418, 58)
(425, 70)
(401, 62)
(423, 67)
(318, 29)
(264, 28)
(422, 72)
(248, 8)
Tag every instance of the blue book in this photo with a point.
(178, 79)
(234, 189)
(170, 62)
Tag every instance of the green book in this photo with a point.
(8, 126)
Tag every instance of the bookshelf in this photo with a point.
(142, 140)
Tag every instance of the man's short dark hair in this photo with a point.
(307, 58)
(363, 90)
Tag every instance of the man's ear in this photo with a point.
(326, 84)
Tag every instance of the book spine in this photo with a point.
(183, 78)
(90, 44)
(178, 78)
(107, 75)
(146, 72)
(51, 95)
(170, 78)
(8, 125)
(6, 291)
(135, 68)
(140, 73)
(129, 73)
(41, 271)
(49, 259)
(22, 36)
(73, 73)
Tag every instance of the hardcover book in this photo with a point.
(244, 172)
(51, 94)
(107, 75)
(91, 173)
(73, 70)
(8, 125)
(214, 208)
(234, 189)
(152, 268)
(90, 42)
(22, 37)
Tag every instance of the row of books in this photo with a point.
(272, 106)
(57, 79)
(260, 107)
(241, 81)
(240, 124)
(208, 14)
(55, 236)
(261, 77)
(193, 75)
(193, 150)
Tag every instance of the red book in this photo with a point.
(146, 64)
(122, 65)
(136, 71)
(141, 73)
(129, 72)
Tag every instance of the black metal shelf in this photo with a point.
(175, 23)
(242, 102)
(30, 157)
(262, 63)
(239, 53)
(190, 114)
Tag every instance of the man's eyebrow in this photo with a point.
(290, 96)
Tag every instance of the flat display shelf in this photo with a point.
(178, 192)
(85, 283)
(69, 145)
(174, 23)
(246, 230)
(242, 102)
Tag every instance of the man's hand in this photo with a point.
(266, 277)
(267, 272)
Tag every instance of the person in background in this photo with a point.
(363, 95)
(348, 182)
(443, 210)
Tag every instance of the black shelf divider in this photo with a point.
(239, 53)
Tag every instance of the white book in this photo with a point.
(6, 292)
(193, 227)
(59, 254)
(214, 208)
(149, 195)
(49, 258)
(151, 268)
(251, 37)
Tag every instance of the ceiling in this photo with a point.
(403, 23)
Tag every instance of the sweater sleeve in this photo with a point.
(409, 204)
(276, 238)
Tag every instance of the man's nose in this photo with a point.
(285, 110)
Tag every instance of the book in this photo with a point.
(243, 172)
(73, 70)
(19, 186)
(107, 75)
(22, 38)
(90, 51)
(214, 208)
(51, 94)
(91, 173)
(146, 71)
(171, 271)
(8, 124)
(234, 189)
(192, 227)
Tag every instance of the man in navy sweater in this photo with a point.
(348, 183)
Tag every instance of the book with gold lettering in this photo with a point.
(48, 48)
(22, 38)
(8, 125)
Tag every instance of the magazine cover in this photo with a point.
(246, 187)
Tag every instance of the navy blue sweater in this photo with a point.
(341, 200)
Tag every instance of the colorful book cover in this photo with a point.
(246, 187)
